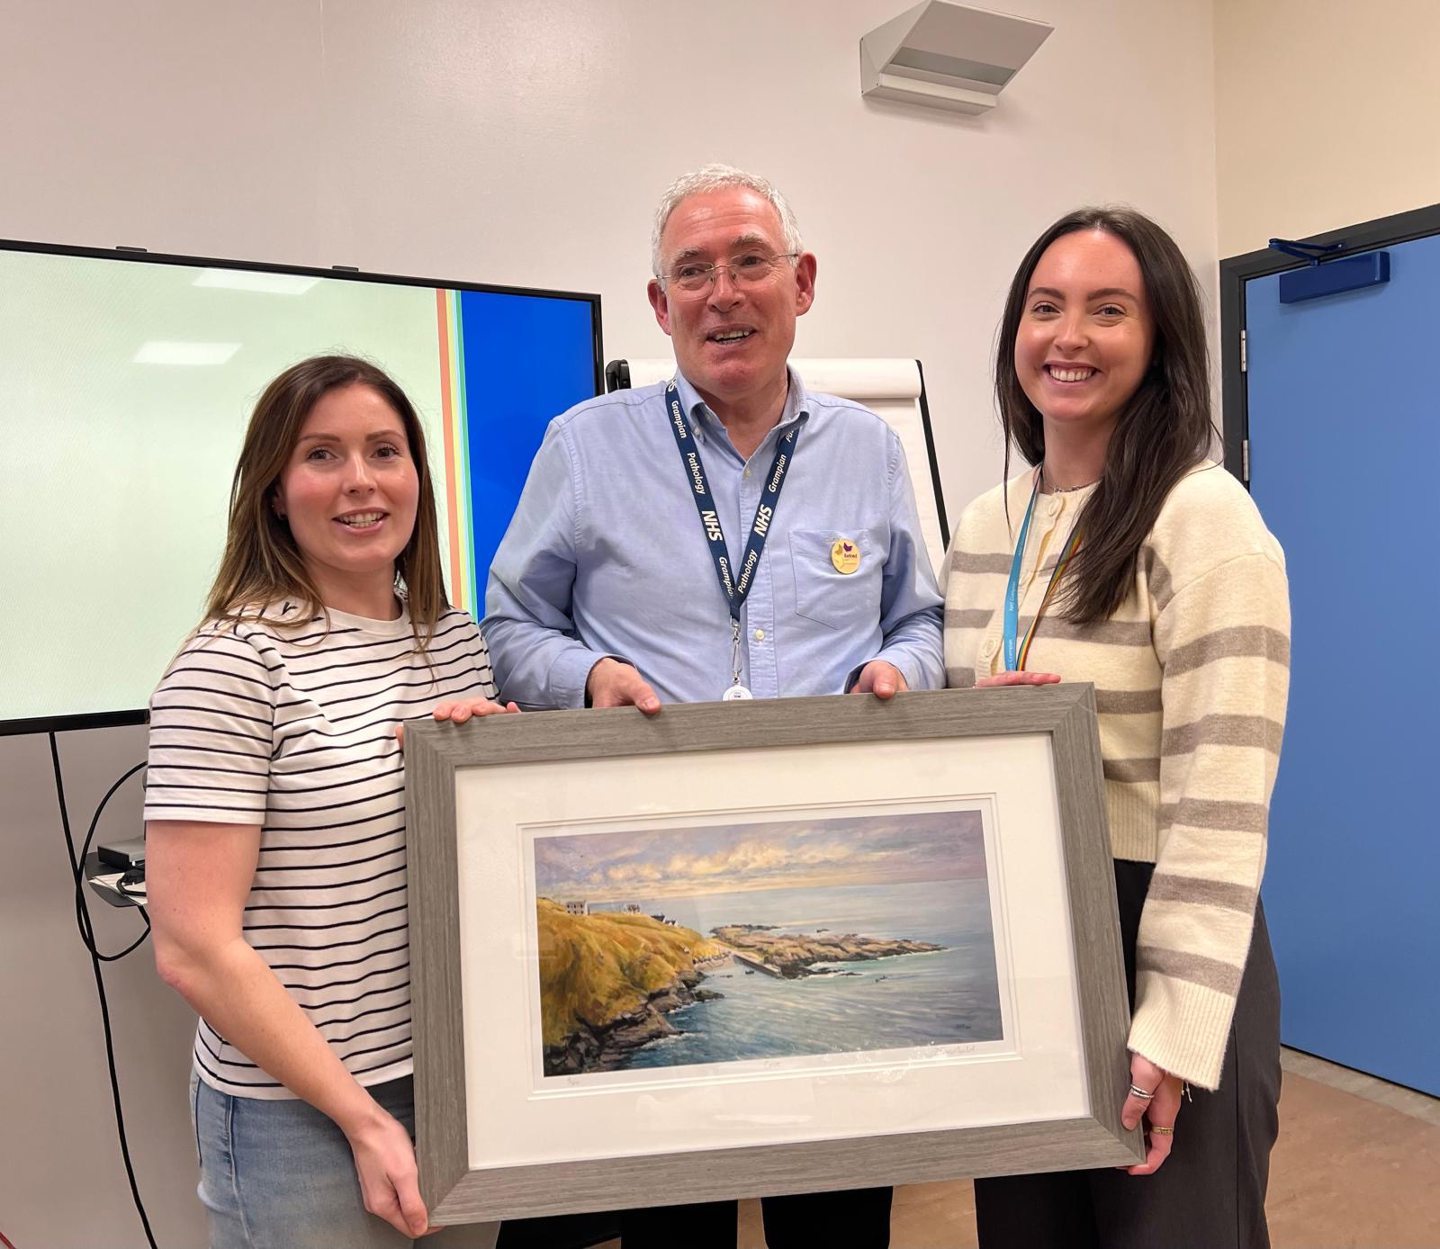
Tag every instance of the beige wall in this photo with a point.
(62, 1182)
(1327, 115)
(515, 141)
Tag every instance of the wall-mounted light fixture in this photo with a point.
(947, 55)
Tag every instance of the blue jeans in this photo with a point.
(280, 1175)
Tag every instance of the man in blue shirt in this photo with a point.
(605, 588)
(727, 535)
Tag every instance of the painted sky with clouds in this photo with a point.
(785, 854)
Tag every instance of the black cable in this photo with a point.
(87, 935)
(82, 908)
(133, 946)
(77, 863)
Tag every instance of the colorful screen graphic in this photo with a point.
(125, 386)
(508, 375)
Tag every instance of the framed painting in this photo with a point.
(744, 949)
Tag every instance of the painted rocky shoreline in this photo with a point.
(592, 1047)
(793, 955)
(608, 1046)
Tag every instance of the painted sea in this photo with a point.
(941, 998)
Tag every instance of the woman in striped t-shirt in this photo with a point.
(1125, 558)
(275, 808)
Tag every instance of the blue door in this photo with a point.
(1343, 396)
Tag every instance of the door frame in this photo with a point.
(1236, 271)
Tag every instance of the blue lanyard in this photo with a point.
(1016, 652)
(1012, 591)
(737, 585)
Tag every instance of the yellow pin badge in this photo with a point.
(845, 555)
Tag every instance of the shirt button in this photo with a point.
(747, 474)
(759, 635)
(1055, 506)
(988, 649)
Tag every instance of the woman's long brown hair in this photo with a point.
(262, 564)
(1163, 430)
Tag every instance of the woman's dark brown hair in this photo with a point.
(262, 564)
(1163, 430)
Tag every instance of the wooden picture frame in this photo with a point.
(496, 1140)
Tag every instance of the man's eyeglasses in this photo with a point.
(746, 270)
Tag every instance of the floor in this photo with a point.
(1357, 1167)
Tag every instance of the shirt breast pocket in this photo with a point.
(837, 576)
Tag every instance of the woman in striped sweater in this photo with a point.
(1124, 557)
(275, 811)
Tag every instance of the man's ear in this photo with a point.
(660, 303)
(804, 282)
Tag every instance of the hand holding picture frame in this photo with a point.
(766, 947)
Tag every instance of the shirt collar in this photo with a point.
(707, 424)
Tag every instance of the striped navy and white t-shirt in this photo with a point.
(293, 728)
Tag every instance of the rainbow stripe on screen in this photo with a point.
(511, 361)
(454, 498)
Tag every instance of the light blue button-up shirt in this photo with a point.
(606, 555)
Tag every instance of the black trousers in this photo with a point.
(858, 1219)
(1210, 1193)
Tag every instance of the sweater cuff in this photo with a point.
(1182, 1028)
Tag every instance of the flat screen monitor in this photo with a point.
(126, 380)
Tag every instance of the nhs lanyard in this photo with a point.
(737, 585)
(1016, 651)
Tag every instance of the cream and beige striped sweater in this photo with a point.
(1191, 676)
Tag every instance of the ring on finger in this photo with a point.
(1143, 1094)
(1157, 1130)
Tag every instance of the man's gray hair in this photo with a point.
(719, 178)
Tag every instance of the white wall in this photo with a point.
(527, 142)
(524, 142)
(1328, 115)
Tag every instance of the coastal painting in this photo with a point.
(676, 947)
